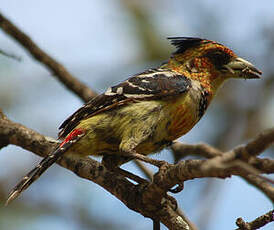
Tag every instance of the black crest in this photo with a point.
(184, 43)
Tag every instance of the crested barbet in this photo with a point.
(149, 110)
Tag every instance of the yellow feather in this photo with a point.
(142, 126)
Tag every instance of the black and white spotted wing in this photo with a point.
(150, 85)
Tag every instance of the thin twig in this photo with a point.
(250, 170)
(245, 152)
(12, 56)
(228, 160)
(262, 185)
(144, 169)
(191, 169)
(257, 223)
(37, 53)
(181, 150)
(131, 176)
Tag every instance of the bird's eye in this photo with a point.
(218, 57)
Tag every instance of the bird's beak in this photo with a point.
(240, 68)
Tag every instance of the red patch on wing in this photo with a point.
(75, 133)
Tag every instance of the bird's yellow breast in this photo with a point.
(146, 126)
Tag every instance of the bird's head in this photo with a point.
(209, 60)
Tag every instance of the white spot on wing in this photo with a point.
(136, 86)
(109, 92)
(162, 72)
(120, 90)
(131, 84)
(147, 75)
(138, 95)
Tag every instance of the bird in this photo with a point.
(148, 111)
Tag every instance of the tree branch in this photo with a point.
(191, 169)
(245, 152)
(12, 56)
(262, 185)
(53, 66)
(181, 150)
(242, 158)
(257, 223)
(144, 169)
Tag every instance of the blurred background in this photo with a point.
(102, 43)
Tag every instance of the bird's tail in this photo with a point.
(49, 160)
(34, 174)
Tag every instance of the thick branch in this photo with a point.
(56, 68)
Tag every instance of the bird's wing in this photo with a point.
(153, 84)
